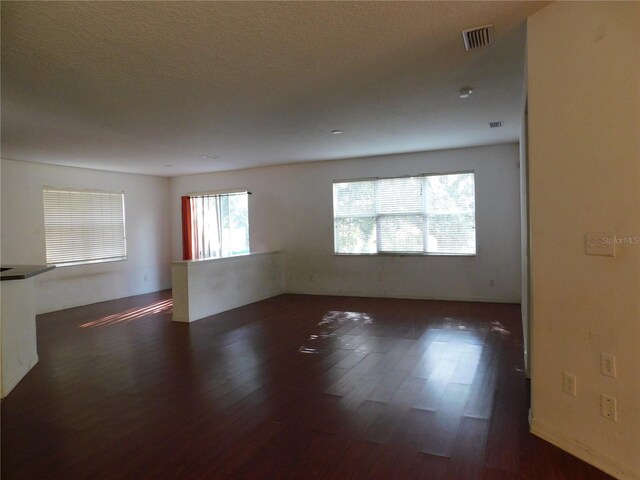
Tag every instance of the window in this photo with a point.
(426, 214)
(83, 226)
(215, 225)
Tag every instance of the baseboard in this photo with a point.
(40, 310)
(445, 298)
(583, 452)
(8, 386)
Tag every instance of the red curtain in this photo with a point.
(187, 253)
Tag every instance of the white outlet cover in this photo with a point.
(570, 384)
(600, 243)
(608, 365)
(609, 407)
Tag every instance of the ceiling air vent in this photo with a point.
(477, 37)
(495, 124)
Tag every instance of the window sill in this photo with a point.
(203, 261)
(89, 262)
(391, 254)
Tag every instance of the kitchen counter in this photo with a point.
(18, 345)
(22, 272)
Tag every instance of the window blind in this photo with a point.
(400, 220)
(355, 217)
(83, 226)
(430, 214)
(450, 208)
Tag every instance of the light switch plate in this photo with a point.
(601, 244)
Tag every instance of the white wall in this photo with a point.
(17, 332)
(291, 210)
(584, 176)
(206, 287)
(147, 267)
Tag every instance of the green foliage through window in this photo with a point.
(426, 214)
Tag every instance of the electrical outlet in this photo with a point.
(608, 365)
(570, 384)
(609, 407)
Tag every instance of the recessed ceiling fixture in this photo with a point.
(211, 157)
(495, 124)
(336, 132)
(465, 92)
(477, 37)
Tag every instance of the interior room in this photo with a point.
(363, 240)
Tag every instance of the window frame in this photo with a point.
(91, 261)
(424, 212)
(219, 194)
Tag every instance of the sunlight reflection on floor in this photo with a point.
(163, 306)
(331, 322)
(498, 327)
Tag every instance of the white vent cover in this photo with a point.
(477, 37)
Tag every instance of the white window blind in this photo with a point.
(84, 226)
(451, 213)
(399, 206)
(426, 214)
(355, 217)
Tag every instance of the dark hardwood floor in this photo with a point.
(294, 387)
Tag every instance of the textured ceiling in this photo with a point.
(138, 86)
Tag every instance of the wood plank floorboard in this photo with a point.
(293, 387)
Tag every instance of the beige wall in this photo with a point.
(584, 165)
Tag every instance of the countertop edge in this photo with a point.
(22, 272)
